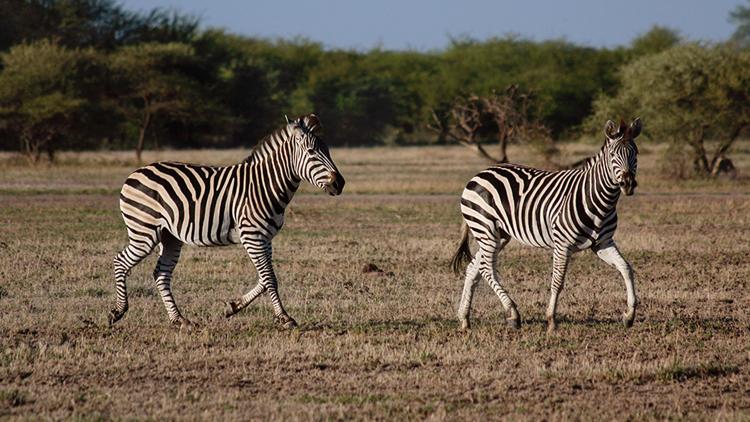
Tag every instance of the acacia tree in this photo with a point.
(359, 105)
(40, 98)
(154, 80)
(687, 95)
(506, 117)
(657, 39)
(740, 17)
(101, 24)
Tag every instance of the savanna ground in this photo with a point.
(373, 345)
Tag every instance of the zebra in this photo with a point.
(172, 203)
(566, 211)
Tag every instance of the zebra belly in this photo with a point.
(220, 232)
(536, 234)
(188, 202)
(577, 236)
(534, 242)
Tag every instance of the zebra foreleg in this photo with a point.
(488, 268)
(612, 256)
(470, 283)
(560, 261)
(234, 306)
(123, 263)
(261, 252)
(168, 258)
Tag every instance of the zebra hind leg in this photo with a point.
(123, 263)
(234, 306)
(470, 283)
(168, 258)
(488, 267)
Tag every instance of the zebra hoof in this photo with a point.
(230, 309)
(551, 326)
(465, 325)
(286, 322)
(115, 315)
(627, 319)
(184, 325)
(514, 323)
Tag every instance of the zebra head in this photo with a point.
(312, 160)
(623, 153)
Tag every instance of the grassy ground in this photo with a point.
(370, 345)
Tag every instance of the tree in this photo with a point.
(656, 40)
(357, 106)
(157, 80)
(41, 98)
(256, 79)
(687, 95)
(504, 116)
(740, 17)
(564, 77)
(102, 24)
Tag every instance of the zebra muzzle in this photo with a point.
(628, 184)
(335, 184)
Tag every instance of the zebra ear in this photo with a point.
(313, 123)
(635, 128)
(286, 118)
(610, 129)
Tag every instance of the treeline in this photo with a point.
(82, 74)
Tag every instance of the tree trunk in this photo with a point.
(37, 155)
(719, 155)
(31, 150)
(700, 160)
(503, 147)
(476, 146)
(142, 133)
(50, 152)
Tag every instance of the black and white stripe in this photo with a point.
(565, 211)
(170, 204)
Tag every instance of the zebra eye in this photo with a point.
(311, 151)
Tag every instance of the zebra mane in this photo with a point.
(268, 143)
(623, 135)
(308, 124)
(586, 163)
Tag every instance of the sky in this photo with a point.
(426, 25)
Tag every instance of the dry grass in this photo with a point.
(372, 346)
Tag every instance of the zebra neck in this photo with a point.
(272, 175)
(268, 146)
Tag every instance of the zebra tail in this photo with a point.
(463, 253)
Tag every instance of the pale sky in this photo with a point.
(424, 25)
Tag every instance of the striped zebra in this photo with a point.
(565, 211)
(171, 204)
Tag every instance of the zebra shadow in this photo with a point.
(373, 326)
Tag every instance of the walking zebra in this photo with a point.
(566, 211)
(169, 204)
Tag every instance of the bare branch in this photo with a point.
(507, 115)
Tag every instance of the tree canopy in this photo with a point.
(89, 73)
(686, 94)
